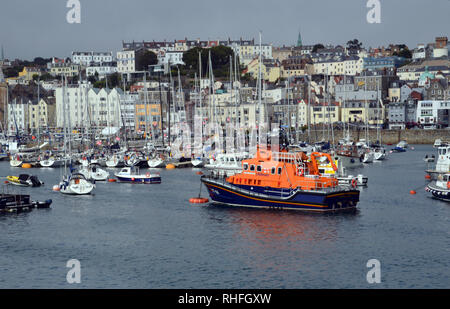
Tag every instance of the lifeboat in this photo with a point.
(282, 180)
(440, 188)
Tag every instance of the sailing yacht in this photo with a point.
(73, 183)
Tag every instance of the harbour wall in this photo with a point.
(413, 136)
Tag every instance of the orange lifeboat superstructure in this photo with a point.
(284, 170)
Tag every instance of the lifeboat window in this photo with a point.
(259, 182)
(279, 170)
(245, 166)
(259, 168)
(252, 168)
(273, 170)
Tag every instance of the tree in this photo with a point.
(114, 80)
(317, 47)
(144, 59)
(405, 53)
(354, 45)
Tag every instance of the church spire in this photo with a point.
(299, 39)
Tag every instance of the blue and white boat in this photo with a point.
(132, 175)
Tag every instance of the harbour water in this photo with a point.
(149, 236)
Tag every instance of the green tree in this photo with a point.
(354, 45)
(317, 47)
(144, 59)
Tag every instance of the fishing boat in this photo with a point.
(94, 172)
(440, 188)
(25, 180)
(278, 180)
(350, 180)
(442, 166)
(76, 184)
(132, 174)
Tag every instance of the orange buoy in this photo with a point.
(427, 176)
(56, 188)
(199, 173)
(170, 166)
(412, 192)
(112, 180)
(198, 200)
(26, 165)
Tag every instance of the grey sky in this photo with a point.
(31, 28)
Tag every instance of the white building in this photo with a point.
(86, 58)
(87, 107)
(433, 114)
(128, 111)
(126, 61)
(172, 57)
(102, 69)
(17, 116)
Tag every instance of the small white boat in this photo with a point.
(76, 184)
(132, 175)
(114, 161)
(350, 180)
(368, 157)
(227, 164)
(198, 162)
(379, 153)
(156, 163)
(402, 144)
(94, 172)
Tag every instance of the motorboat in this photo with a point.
(442, 166)
(25, 180)
(132, 175)
(226, 164)
(94, 172)
(76, 184)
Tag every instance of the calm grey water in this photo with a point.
(149, 236)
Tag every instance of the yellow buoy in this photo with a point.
(26, 165)
(170, 166)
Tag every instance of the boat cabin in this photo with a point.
(284, 171)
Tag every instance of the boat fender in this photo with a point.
(448, 184)
(147, 175)
(354, 183)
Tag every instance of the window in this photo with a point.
(279, 170)
(252, 168)
(259, 168)
(273, 170)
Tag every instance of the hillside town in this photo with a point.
(149, 85)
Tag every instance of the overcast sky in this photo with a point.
(31, 28)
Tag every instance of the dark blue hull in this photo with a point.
(319, 201)
(150, 180)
